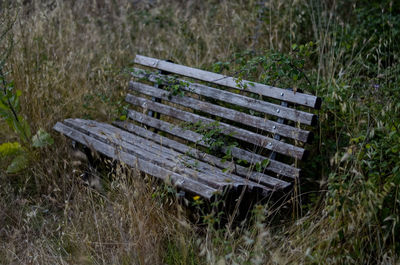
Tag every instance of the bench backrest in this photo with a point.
(265, 121)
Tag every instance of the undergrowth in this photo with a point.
(66, 58)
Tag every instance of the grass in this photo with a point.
(69, 59)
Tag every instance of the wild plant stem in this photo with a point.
(8, 100)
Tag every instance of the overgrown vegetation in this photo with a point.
(9, 112)
(64, 59)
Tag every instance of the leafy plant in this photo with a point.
(173, 85)
(9, 112)
(219, 143)
(213, 137)
(272, 67)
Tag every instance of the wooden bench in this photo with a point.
(166, 132)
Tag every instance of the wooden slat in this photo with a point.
(238, 133)
(158, 154)
(197, 154)
(161, 155)
(261, 89)
(226, 113)
(135, 162)
(274, 166)
(235, 99)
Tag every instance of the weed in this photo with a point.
(64, 50)
(9, 112)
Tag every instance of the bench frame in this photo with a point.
(272, 120)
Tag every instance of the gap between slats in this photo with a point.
(268, 91)
(244, 172)
(233, 98)
(226, 113)
(274, 166)
(235, 132)
(160, 155)
(144, 166)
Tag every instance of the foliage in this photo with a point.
(359, 124)
(379, 28)
(9, 149)
(276, 68)
(173, 85)
(9, 111)
(218, 143)
(66, 59)
(212, 135)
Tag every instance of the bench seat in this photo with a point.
(155, 141)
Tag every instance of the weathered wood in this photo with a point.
(180, 181)
(274, 166)
(235, 132)
(226, 113)
(161, 155)
(278, 136)
(137, 147)
(197, 154)
(260, 89)
(158, 154)
(235, 99)
(186, 165)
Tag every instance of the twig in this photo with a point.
(8, 100)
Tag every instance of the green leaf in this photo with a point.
(9, 149)
(265, 162)
(258, 167)
(2, 105)
(21, 127)
(41, 139)
(19, 163)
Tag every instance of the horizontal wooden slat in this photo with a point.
(161, 155)
(238, 133)
(226, 113)
(235, 99)
(144, 166)
(197, 154)
(261, 89)
(274, 166)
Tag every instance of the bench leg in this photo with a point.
(89, 175)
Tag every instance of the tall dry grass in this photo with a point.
(68, 59)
